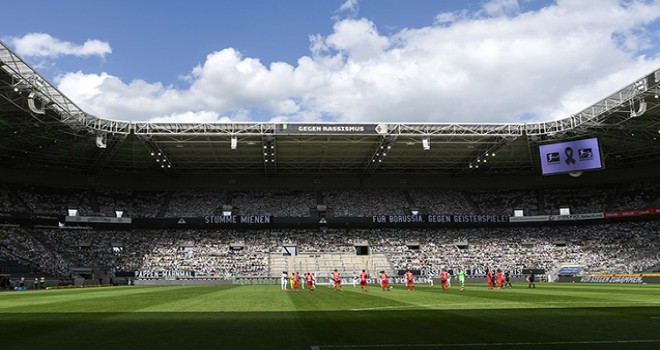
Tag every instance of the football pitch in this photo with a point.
(552, 316)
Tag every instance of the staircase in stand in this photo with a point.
(323, 264)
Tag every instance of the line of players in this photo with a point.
(503, 280)
(294, 281)
(445, 279)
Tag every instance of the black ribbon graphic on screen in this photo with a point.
(569, 156)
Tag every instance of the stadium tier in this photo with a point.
(168, 234)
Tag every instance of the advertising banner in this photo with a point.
(97, 220)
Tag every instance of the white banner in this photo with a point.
(571, 217)
(98, 219)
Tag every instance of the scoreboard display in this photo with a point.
(570, 156)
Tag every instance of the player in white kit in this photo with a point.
(284, 281)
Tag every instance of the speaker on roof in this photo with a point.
(33, 106)
(641, 110)
(102, 140)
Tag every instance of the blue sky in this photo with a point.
(337, 60)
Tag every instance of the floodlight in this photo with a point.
(640, 111)
(33, 106)
(234, 142)
(102, 140)
(426, 143)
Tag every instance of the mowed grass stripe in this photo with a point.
(228, 299)
(643, 289)
(271, 298)
(325, 299)
(110, 299)
(481, 345)
(252, 330)
(539, 298)
(479, 297)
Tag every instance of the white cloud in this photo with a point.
(192, 117)
(491, 65)
(350, 7)
(502, 7)
(450, 17)
(44, 45)
(358, 39)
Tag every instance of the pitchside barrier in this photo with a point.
(182, 282)
(321, 281)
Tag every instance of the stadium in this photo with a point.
(136, 234)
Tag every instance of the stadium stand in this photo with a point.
(361, 202)
(147, 204)
(195, 203)
(298, 203)
(503, 201)
(627, 247)
(444, 201)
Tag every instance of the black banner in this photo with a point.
(31, 218)
(238, 219)
(438, 219)
(328, 129)
(272, 222)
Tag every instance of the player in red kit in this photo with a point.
(444, 279)
(500, 279)
(410, 283)
(384, 282)
(363, 281)
(489, 279)
(336, 279)
(296, 281)
(310, 281)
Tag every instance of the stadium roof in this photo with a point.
(42, 129)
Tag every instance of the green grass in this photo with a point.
(552, 316)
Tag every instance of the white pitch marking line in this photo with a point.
(634, 341)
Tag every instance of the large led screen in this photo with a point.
(570, 156)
